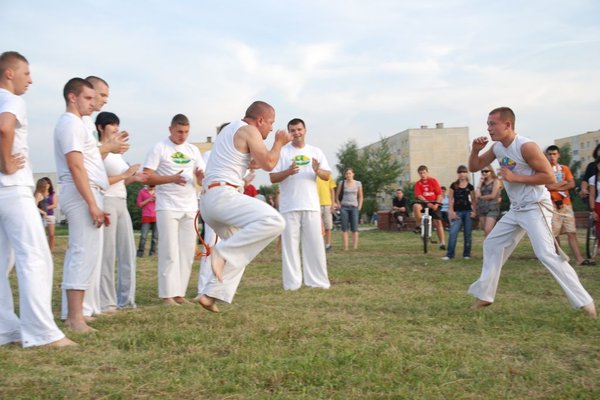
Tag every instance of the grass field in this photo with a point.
(395, 324)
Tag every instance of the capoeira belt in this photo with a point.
(215, 184)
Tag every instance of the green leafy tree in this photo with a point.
(374, 167)
(134, 211)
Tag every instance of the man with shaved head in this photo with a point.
(245, 225)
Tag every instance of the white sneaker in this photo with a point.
(446, 258)
(466, 258)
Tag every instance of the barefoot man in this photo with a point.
(246, 225)
(21, 230)
(524, 171)
(83, 180)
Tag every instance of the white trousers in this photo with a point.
(119, 245)
(176, 250)
(503, 239)
(23, 241)
(245, 226)
(206, 273)
(303, 234)
(83, 259)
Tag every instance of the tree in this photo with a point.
(373, 166)
(134, 211)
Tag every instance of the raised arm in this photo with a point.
(476, 161)
(249, 138)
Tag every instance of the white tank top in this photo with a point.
(226, 163)
(522, 196)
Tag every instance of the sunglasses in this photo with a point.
(485, 171)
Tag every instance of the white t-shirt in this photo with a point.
(166, 158)
(116, 165)
(13, 104)
(592, 182)
(70, 134)
(299, 191)
(88, 121)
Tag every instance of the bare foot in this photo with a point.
(60, 343)
(209, 303)
(181, 300)
(79, 326)
(590, 310)
(217, 263)
(479, 304)
(169, 301)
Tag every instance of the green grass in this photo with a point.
(395, 324)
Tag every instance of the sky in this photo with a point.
(353, 70)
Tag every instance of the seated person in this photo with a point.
(428, 194)
(399, 208)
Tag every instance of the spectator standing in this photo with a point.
(563, 218)
(462, 203)
(326, 190)
(349, 196)
(146, 200)
(487, 193)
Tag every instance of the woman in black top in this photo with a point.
(460, 212)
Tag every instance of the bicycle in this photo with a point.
(591, 239)
(426, 228)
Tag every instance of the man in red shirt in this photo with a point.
(563, 218)
(428, 194)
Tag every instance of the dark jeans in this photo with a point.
(463, 218)
(349, 218)
(145, 228)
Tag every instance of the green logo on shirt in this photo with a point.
(301, 160)
(180, 158)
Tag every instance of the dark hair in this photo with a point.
(462, 168)
(8, 59)
(296, 121)
(595, 152)
(51, 186)
(180, 119)
(552, 148)
(422, 168)
(506, 114)
(258, 109)
(75, 86)
(105, 118)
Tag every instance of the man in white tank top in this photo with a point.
(524, 171)
(245, 225)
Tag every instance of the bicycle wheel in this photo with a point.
(425, 235)
(591, 240)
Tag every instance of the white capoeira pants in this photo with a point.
(23, 241)
(302, 234)
(119, 245)
(503, 239)
(84, 253)
(176, 251)
(245, 226)
(206, 273)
